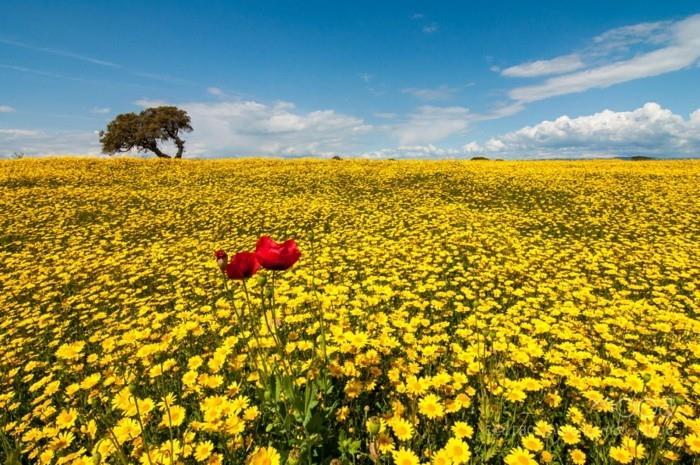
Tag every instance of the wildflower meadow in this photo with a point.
(274, 312)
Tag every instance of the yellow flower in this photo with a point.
(46, 456)
(671, 456)
(543, 429)
(693, 443)
(649, 429)
(458, 451)
(405, 457)
(251, 413)
(569, 434)
(384, 443)
(203, 450)
(66, 419)
(62, 441)
(577, 456)
(531, 442)
(591, 432)
(520, 456)
(403, 430)
(264, 456)
(189, 378)
(635, 449)
(621, 455)
(126, 429)
(516, 395)
(441, 457)
(462, 430)
(342, 413)
(431, 407)
(173, 416)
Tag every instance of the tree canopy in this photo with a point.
(143, 131)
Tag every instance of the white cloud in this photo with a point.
(442, 92)
(366, 77)
(10, 134)
(430, 28)
(431, 124)
(559, 65)
(39, 142)
(163, 78)
(413, 151)
(215, 91)
(254, 128)
(622, 38)
(150, 103)
(650, 130)
(678, 48)
(62, 53)
(6, 109)
(385, 115)
(100, 110)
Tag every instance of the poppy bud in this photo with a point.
(96, 458)
(221, 259)
(294, 456)
(373, 425)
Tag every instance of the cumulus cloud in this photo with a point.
(558, 65)
(40, 142)
(215, 91)
(677, 47)
(431, 124)
(254, 128)
(649, 130)
(413, 152)
(6, 109)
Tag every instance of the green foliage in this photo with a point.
(145, 130)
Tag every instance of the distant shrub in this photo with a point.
(478, 158)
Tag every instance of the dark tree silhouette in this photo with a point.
(144, 131)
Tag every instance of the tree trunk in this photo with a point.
(180, 147)
(157, 151)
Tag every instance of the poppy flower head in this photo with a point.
(275, 256)
(243, 265)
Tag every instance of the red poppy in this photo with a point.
(221, 259)
(243, 265)
(274, 256)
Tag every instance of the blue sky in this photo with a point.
(372, 79)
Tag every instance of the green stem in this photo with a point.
(256, 335)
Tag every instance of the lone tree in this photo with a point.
(144, 131)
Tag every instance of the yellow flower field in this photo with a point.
(441, 312)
